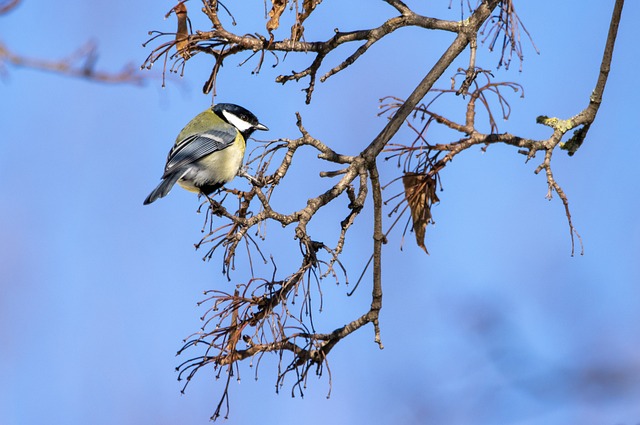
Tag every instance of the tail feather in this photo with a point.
(163, 188)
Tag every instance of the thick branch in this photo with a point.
(605, 66)
(587, 116)
(378, 240)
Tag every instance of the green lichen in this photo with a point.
(555, 123)
(573, 144)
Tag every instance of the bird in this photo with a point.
(209, 150)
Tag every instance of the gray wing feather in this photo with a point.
(163, 188)
(197, 146)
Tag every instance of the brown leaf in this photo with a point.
(420, 193)
(182, 34)
(275, 13)
(297, 30)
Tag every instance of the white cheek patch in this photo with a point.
(237, 122)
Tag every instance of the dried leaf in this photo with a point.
(182, 34)
(297, 30)
(420, 193)
(275, 13)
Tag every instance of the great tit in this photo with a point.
(208, 151)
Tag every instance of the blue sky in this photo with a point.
(499, 325)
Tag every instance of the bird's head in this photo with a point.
(239, 117)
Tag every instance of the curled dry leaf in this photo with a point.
(420, 193)
(297, 30)
(182, 34)
(274, 14)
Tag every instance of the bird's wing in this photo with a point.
(196, 146)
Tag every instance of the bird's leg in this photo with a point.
(214, 204)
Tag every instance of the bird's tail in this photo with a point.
(163, 188)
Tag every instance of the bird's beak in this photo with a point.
(261, 127)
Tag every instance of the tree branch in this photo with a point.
(81, 64)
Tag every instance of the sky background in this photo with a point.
(499, 325)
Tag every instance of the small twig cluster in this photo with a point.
(422, 158)
(508, 24)
(221, 43)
